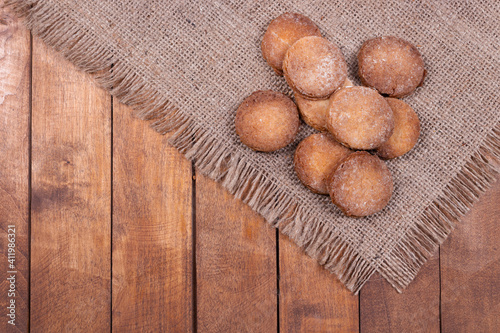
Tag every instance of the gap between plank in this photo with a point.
(193, 249)
(30, 149)
(278, 280)
(440, 316)
(111, 221)
(359, 311)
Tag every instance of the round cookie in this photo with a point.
(361, 185)
(267, 121)
(406, 130)
(314, 113)
(391, 65)
(314, 67)
(360, 118)
(281, 33)
(315, 159)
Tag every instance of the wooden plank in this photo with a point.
(71, 198)
(311, 298)
(15, 72)
(470, 270)
(383, 309)
(152, 240)
(235, 264)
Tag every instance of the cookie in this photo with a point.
(361, 185)
(314, 67)
(406, 130)
(360, 118)
(314, 113)
(267, 121)
(391, 65)
(282, 33)
(315, 159)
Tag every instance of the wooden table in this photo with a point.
(115, 230)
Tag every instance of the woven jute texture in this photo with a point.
(186, 65)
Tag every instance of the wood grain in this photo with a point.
(470, 270)
(152, 240)
(383, 309)
(311, 298)
(71, 198)
(235, 275)
(15, 72)
(235, 264)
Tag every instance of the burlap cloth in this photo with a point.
(186, 66)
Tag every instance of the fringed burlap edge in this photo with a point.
(437, 221)
(319, 239)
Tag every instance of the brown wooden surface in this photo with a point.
(235, 264)
(152, 238)
(415, 310)
(311, 299)
(15, 74)
(70, 198)
(109, 199)
(470, 270)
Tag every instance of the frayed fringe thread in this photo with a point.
(85, 51)
(440, 217)
(319, 239)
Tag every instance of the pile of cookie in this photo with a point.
(358, 125)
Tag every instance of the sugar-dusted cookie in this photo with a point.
(361, 185)
(314, 113)
(314, 67)
(360, 118)
(391, 65)
(406, 130)
(267, 121)
(315, 159)
(281, 33)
